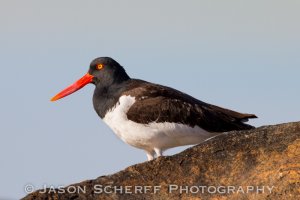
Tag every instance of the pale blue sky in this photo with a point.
(242, 55)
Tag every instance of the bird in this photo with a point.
(149, 116)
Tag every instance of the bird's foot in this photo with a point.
(154, 154)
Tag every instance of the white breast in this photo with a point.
(153, 135)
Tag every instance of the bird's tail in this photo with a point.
(235, 119)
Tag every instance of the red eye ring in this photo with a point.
(100, 66)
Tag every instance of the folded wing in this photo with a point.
(156, 103)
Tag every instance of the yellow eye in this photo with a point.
(100, 66)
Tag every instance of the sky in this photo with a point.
(242, 55)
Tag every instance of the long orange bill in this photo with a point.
(86, 79)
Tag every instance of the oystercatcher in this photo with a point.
(149, 116)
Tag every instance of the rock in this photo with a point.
(262, 163)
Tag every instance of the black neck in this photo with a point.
(106, 97)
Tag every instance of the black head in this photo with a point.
(106, 71)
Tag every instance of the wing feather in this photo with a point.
(156, 103)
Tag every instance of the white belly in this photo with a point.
(153, 135)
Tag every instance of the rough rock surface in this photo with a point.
(239, 165)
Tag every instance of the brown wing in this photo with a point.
(156, 103)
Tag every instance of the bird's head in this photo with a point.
(103, 72)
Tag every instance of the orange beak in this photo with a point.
(86, 79)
